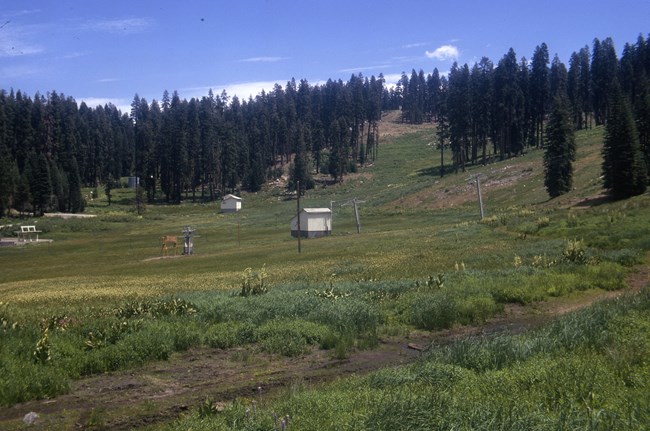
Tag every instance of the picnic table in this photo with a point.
(27, 233)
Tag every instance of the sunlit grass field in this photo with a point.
(99, 297)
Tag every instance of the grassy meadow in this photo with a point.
(100, 298)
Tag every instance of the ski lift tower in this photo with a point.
(188, 244)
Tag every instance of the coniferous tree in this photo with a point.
(459, 114)
(8, 180)
(23, 195)
(624, 170)
(539, 90)
(481, 86)
(76, 202)
(40, 184)
(508, 112)
(604, 64)
(300, 170)
(560, 150)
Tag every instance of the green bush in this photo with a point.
(290, 337)
(229, 334)
(445, 308)
(23, 381)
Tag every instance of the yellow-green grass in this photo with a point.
(117, 253)
(414, 226)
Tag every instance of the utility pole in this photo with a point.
(477, 179)
(355, 202)
(298, 214)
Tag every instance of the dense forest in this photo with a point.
(50, 147)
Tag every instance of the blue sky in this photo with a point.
(103, 51)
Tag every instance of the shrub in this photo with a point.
(290, 337)
(575, 252)
(229, 334)
(445, 308)
(253, 283)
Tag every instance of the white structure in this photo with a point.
(230, 204)
(314, 223)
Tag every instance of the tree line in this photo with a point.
(489, 111)
(50, 147)
(485, 111)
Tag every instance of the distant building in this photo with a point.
(230, 204)
(314, 223)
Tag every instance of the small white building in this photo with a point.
(230, 204)
(314, 223)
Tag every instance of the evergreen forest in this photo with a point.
(198, 149)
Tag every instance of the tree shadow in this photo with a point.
(434, 171)
(595, 201)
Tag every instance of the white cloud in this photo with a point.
(75, 55)
(18, 71)
(105, 80)
(243, 90)
(442, 53)
(414, 45)
(22, 12)
(263, 59)
(14, 40)
(361, 69)
(120, 26)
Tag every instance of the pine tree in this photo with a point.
(40, 184)
(539, 90)
(300, 170)
(8, 179)
(23, 194)
(76, 202)
(560, 150)
(624, 169)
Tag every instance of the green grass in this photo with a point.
(587, 370)
(110, 303)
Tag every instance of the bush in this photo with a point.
(575, 252)
(229, 334)
(445, 308)
(22, 381)
(290, 337)
(253, 283)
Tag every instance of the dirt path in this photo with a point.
(159, 392)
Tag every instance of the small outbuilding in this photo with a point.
(230, 204)
(314, 223)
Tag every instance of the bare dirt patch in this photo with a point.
(499, 176)
(392, 126)
(69, 215)
(161, 391)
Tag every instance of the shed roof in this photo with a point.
(317, 210)
(229, 196)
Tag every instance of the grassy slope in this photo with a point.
(414, 224)
(407, 216)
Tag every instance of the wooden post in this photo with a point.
(356, 215)
(298, 214)
(480, 198)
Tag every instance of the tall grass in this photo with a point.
(585, 371)
(109, 303)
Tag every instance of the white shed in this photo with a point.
(230, 204)
(314, 223)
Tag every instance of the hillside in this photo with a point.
(424, 272)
